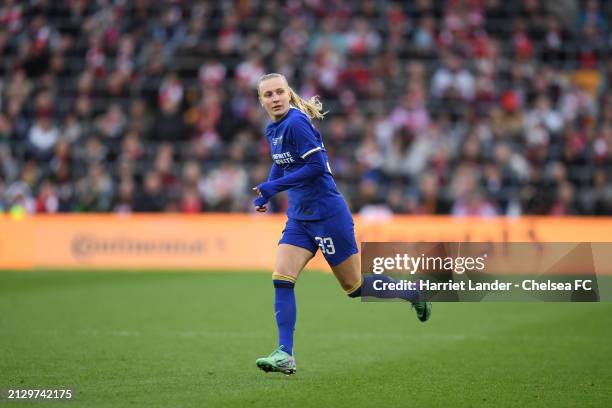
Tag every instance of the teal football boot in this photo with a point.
(423, 310)
(278, 362)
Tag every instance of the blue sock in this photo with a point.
(285, 313)
(367, 289)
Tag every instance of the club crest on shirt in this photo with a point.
(277, 140)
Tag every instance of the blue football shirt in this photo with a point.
(292, 139)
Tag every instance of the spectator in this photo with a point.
(47, 200)
(225, 187)
(94, 192)
(124, 201)
(170, 125)
(152, 197)
(42, 137)
(452, 80)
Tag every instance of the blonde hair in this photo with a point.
(313, 107)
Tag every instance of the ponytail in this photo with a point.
(313, 107)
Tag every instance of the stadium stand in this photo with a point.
(473, 107)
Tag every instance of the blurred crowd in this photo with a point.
(462, 107)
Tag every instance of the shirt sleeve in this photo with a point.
(275, 172)
(313, 168)
(304, 136)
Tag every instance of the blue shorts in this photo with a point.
(334, 236)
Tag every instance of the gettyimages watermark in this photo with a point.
(476, 271)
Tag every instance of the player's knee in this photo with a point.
(284, 275)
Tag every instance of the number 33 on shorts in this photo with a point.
(326, 244)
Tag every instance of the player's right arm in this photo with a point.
(275, 172)
(313, 167)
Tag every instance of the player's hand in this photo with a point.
(264, 190)
(260, 202)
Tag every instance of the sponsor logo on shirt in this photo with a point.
(283, 158)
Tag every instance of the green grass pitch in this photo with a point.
(185, 339)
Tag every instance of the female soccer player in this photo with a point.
(317, 217)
